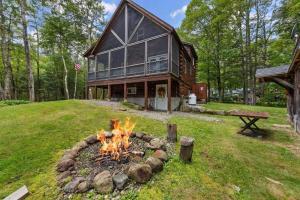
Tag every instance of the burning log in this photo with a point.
(186, 149)
(112, 123)
(172, 132)
(138, 153)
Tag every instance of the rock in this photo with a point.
(156, 144)
(186, 141)
(80, 145)
(69, 154)
(63, 175)
(72, 186)
(91, 139)
(147, 138)
(141, 173)
(155, 164)
(132, 135)
(108, 134)
(160, 154)
(120, 180)
(103, 182)
(83, 187)
(139, 135)
(64, 165)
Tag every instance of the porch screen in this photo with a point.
(133, 19)
(110, 42)
(136, 59)
(102, 66)
(175, 57)
(119, 25)
(92, 69)
(157, 55)
(117, 63)
(147, 29)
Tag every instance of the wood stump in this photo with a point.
(112, 123)
(172, 132)
(186, 149)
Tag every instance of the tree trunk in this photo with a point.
(27, 52)
(219, 82)
(37, 59)
(255, 52)
(65, 77)
(1, 92)
(248, 49)
(6, 57)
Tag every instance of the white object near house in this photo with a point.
(192, 99)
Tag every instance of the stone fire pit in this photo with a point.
(82, 168)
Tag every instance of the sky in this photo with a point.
(171, 11)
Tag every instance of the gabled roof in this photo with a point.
(296, 56)
(272, 71)
(148, 14)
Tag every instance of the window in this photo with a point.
(136, 54)
(157, 55)
(131, 90)
(133, 19)
(146, 30)
(110, 42)
(102, 62)
(92, 64)
(117, 58)
(119, 25)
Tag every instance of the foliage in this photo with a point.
(56, 29)
(234, 38)
(221, 158)
(14, 102)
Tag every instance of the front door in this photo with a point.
(161, 97)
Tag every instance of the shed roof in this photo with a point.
(272, 71)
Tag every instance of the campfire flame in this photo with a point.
(119, 142)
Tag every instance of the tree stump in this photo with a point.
(112, 123)
(186, 149)
(172, 132)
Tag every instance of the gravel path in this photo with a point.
(161, 116)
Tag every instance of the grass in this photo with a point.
(33, 137)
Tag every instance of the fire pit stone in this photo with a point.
(160, 154)
(120, 180)
(141, 173)
(65, 164)
(103, 182)
(155, 164)
(139, 135)
(72, 186)
(155, 144)
(91, 139)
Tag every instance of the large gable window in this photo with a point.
(158, 55)
(117, 62)
(110, 42)
(119, 25)
(134, 18)
(147, 29)
(136, 59)
(102, 66)
(92, 64)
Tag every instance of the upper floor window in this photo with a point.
(102, 62)
(92, 64)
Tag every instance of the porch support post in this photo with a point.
(125, 92)
(169, 94)
(96, 92)
(146, 95)
(109, 92)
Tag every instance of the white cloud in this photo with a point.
(179, 11)
(109, 7)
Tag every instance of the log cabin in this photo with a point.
(139, 58)
(287, 76)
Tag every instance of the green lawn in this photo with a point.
(33, 137)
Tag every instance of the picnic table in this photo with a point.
(249, 119)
